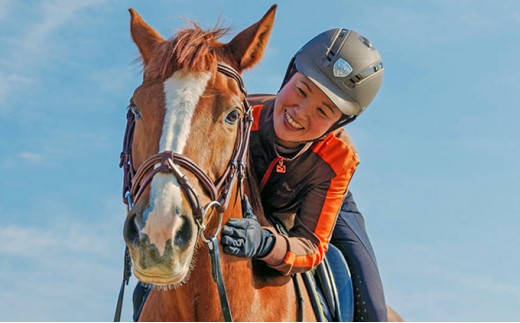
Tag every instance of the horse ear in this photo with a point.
(145, 37)
(248, 47)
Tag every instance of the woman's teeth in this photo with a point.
(292, 122)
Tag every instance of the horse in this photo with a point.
(188, 143)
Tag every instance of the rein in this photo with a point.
(136, 182)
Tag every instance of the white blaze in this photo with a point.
(182, 93)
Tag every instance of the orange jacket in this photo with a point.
(305, 192)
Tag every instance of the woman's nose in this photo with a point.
(303, 109)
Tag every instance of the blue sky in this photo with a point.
(439, 147)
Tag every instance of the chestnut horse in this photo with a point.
(189, 124)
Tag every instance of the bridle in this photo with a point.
(136, 182)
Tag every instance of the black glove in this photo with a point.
(246, 237)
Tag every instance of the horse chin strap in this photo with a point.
(135, 183)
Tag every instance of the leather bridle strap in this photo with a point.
(127, 273)
(216, 274)
(125, 161)
(166, 162)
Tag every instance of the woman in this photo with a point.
(304, 162)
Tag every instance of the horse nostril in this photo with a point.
(183, 235)
(131, 231)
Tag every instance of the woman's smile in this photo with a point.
(291, 123)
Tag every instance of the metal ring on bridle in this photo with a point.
(202, 226)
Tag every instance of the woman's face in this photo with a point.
(302, 112)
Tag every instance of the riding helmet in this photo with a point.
(344, 65)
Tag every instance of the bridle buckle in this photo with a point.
(202, 226)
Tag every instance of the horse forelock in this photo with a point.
(189, 50)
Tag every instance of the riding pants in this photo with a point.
(350, 236)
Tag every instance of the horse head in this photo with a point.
(188, 115)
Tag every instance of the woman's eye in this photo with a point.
(232, 117)
(302, 93)
(322, 112)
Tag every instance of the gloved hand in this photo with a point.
(246, 237)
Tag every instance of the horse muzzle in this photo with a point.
(161, 251)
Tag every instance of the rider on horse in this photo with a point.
(304, 162)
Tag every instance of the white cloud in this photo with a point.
(30, 48)
(433, 282)
(68, 269)
(66, 273)
(8, 84)
(32, 157)
(38, 243)
(21, 241)
(114, 79)
(5, 8)
(35, 35)
(67, 232)
(54, 14)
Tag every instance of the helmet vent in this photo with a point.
(336, 45)
(364, 74)
(366, 42)
(330, 56)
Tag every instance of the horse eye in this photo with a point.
(232, 117)
(135, 110)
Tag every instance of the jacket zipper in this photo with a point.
(280, 168)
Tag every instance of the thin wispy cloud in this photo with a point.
(442, 287)
(39, 243)
(33, 40)
(27, 241)
(32, 157)
(59, 258)
(39, 35)
(10, 83)
(114, 79)
(5, 8)
(58, 147)
(76, 258)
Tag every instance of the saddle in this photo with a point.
(330, 288)
(329, 284)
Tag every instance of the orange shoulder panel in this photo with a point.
(337, 152)
(257, 109)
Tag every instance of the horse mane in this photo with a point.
(190, 49)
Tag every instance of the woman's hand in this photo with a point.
(245, 237)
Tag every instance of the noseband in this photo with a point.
(168, 162)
